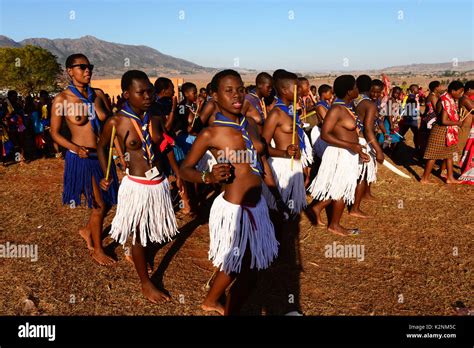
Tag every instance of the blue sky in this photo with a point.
(301, 35)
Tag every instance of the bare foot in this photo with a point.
(453, 181)
(359, 214)
(153, 294)
(314, 214)
(444, 175)
(211, 307)
(426, 182)
(102, 258)
(341, 231)
(86, 234)
(370, 198)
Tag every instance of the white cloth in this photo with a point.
(206, 162)
(145, 209)
(337, 176)
(307, 154)
(368, 168)
(319, 145)
(232, 227)
(290, 184)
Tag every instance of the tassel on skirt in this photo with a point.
(337, 176)
(307, 152)
(368, 168)
(232, 227)
(145, 208)
(290, 184)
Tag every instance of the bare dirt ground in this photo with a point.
(417, 256)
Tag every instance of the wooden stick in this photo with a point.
(110, 153)
(464, 115)
(311, 113)
(295, 94)
(196, 113)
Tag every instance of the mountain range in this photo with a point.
(113, 59)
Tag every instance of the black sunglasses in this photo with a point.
(84, 66)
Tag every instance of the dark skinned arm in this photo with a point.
(170, 117)
(189, 173)
(56, 121)
(102, 150)
(369, 131)
(271, 123)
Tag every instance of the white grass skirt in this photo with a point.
(289, 183)
(306, 154)
(144, 206)
(337, 176)
(232, 227)
(319, 145)
(369, 168)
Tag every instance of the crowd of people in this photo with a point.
(261, 149)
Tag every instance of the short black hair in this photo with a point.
(220, 75)
(283, 78)
(303, 79)
(363, 83)
(469, 85)
(202, 89)
(131, 75)
(413, 85)
(73, 57)
(396, 88)
(277, 73)
(208, 88)
(323, 89)
(377, 83)
(343, 84)
(162, 83)
(455, 85)
(187, 86)
(433, 85)
(263, 77)
(43, 94)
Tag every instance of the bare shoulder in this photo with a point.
(335, 111)
(275, 113)
(252, 124)
(60, 97)
(99, 92)
(467, 102)
(208, 133)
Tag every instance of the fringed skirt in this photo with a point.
(144, 208)
(78, 176)
(319, 145)
(307, 152)
(290, 184)
(232, 227)
(337, 176)
(368, 170)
